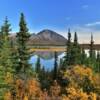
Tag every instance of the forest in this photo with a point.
(76, 77)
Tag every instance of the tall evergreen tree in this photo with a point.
(67, 57)
(91, 47)
(55, 70)
(5, 47)
(6, 65)
(69, 47)
(38, 65)
(75, 39)
(69, 38)
(98, 62)
(83, 57)
(60, 64)
(92, 54)
(23, 55)
(75, 51)
(5, 50)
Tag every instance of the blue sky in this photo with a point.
(82, 16)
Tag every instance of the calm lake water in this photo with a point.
(47, 58)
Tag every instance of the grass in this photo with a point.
(51, 49)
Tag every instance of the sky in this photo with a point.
(82, 16)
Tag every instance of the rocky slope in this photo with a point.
(47, 37)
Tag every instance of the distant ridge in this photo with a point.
(49, 37)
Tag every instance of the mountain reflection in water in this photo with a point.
(47, 59)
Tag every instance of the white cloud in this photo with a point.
(93, 24)
(84, 33)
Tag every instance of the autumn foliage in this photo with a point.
(83, 84)
(29, 90)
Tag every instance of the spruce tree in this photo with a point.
(6, 65)
(22, 55)
(55, 70)
(75, 39)
(91, 47)
(75, 51)
(83, 57)
(69, 38)
(5, 50)
(38, 65)
(98, 62)
(60, 64)
(92, 54)
(67, 57)
(69, 47)
(5, 47)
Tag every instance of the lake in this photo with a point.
(47, 58)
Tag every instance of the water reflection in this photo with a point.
(47, 59)
(46, 54)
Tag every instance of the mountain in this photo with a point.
(47, 37)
